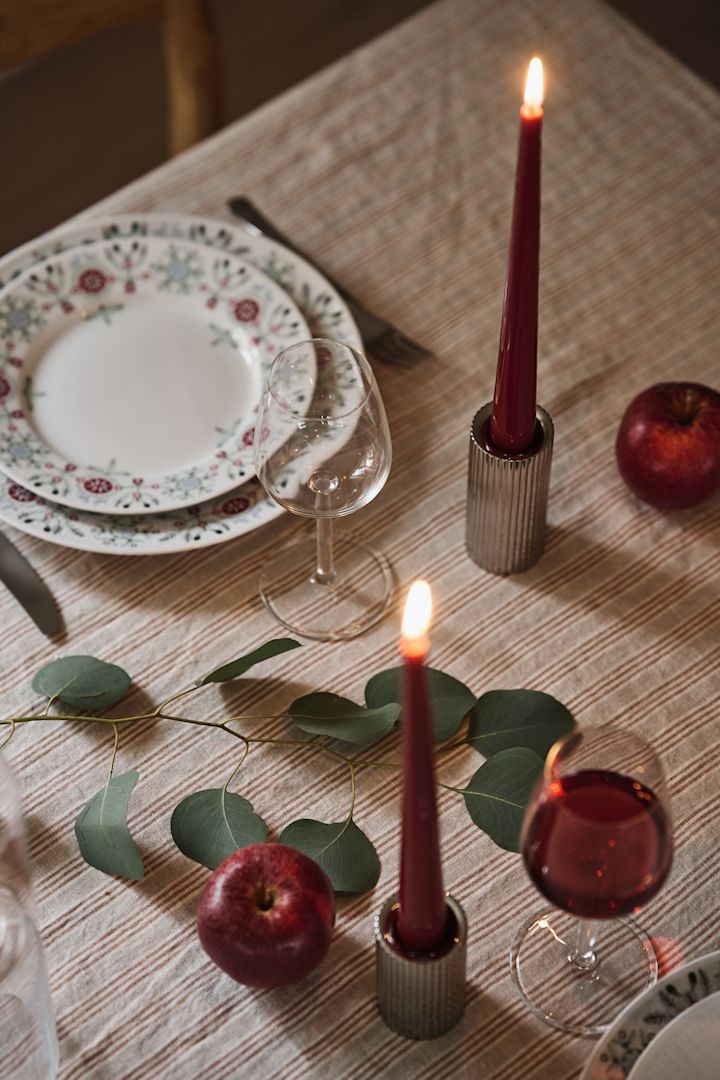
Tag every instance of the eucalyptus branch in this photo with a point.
(78, 716)
(516, 728)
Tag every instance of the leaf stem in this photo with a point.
(51, 700)
(310, 744)
(5, 741)
(451, 746)
(231, 777)
(352, 792)
(176, 697)
(114, 754)
(375, 764)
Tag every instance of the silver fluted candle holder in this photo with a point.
(419, 997)
(507, 498)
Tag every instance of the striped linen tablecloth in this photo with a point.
(395, 168)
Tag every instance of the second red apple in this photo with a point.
(668, 445)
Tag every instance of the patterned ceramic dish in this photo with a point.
(131, 372)
(247, 507)
(622, 1045)
(687, 1047)
(209, 523)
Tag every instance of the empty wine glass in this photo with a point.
(322, 450)
(28, 1041)
(597, 843)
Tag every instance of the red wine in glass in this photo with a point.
(598, 844)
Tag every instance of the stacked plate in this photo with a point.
(133, 352)
(669, 1032)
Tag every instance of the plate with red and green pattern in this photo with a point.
(208, 521)
(131, 371)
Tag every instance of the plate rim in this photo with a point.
(715, 996)
(641, 999)
(268, 511)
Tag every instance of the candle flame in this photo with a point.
(534, 88)
(418, 611)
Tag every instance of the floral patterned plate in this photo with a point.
(201, 526)
(687, 1047)
(244, 509)
(131, 371)
(622, 1045)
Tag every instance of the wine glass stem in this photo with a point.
(583, 955)
(324, 570)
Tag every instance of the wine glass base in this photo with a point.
(353, 601)
(580, 1002)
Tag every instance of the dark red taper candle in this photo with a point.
(513, 423)
(422, 912)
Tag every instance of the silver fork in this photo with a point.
(381, 338)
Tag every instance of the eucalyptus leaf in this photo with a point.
(329, 714)
(497, 794)
(235, 668)
(450, 699)
(102, 833)
(209, 825)
(505, 718)
(341, 849)
(83, 682)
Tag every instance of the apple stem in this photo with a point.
(264, 898)
(687, 407)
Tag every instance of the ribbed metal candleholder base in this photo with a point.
(421, 998)
(507, 499)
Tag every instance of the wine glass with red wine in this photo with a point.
(597, 843)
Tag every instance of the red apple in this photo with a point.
(668, 445)
(266, 915)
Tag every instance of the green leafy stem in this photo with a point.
(511, 729)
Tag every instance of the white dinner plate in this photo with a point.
(245, 508)
(131, 371)
(622, 1047)
(688, 1047)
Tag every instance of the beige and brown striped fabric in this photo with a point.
(395, 168)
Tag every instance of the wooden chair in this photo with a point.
(33, 28)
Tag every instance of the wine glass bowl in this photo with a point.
(323, 451)
(323, 427)
(597, 843)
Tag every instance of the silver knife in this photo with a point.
(27, 587)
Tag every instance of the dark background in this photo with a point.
(82, 122)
